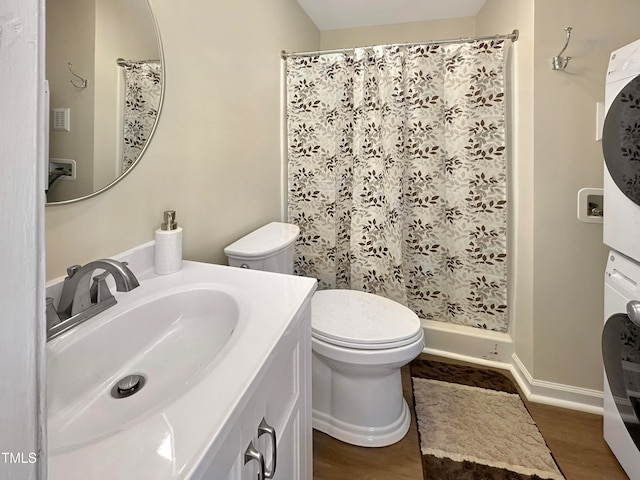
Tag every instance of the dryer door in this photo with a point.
(621, 140)
(621, 355)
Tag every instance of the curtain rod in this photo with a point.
(513, 36)
(122, 62)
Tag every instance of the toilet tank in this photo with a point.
(269, 248)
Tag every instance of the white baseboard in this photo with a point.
(467, 341)
(556, 394)
(496, 350)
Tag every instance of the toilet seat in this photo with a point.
(363, 321)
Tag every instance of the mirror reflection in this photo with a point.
(103, 64)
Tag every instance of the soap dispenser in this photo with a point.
(168, 247)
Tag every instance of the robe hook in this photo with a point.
(560, 62)
(83, 81)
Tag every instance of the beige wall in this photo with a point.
(558, 270)
(215, 158)
(399, 33)
(569, 257)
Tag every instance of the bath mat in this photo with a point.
(473, 425)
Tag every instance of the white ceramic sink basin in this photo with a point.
(169, 339)
(200, 337)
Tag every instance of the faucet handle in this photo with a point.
(99, 291)
(66, 297)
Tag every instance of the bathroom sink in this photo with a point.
(201, 338)
(169, 340)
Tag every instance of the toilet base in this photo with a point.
(357, 395)
(363, 436)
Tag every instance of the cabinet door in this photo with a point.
(281, 412)
(282, 397)
(288, 409)
(227, 460)
(289, 450)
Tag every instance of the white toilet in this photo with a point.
(360, 341)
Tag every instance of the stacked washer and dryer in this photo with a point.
(621, 333)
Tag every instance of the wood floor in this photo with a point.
(575, 439)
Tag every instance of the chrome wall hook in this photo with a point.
(559, 62)
(83, 81)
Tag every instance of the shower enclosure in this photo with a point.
(397, 175)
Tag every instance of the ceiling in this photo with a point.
(337, 14)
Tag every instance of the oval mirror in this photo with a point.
(105, 71)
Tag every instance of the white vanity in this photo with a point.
(225, 358)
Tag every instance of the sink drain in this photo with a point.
(127, 386)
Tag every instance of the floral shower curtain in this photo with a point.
(397, 176)
(142, 89)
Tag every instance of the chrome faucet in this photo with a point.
(82, 299)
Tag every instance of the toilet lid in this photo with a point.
(263, 242)
(362, 320)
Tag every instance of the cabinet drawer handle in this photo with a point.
(252, 453)
(263, 428)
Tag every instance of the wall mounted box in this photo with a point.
(65, 165)
(590, 205)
